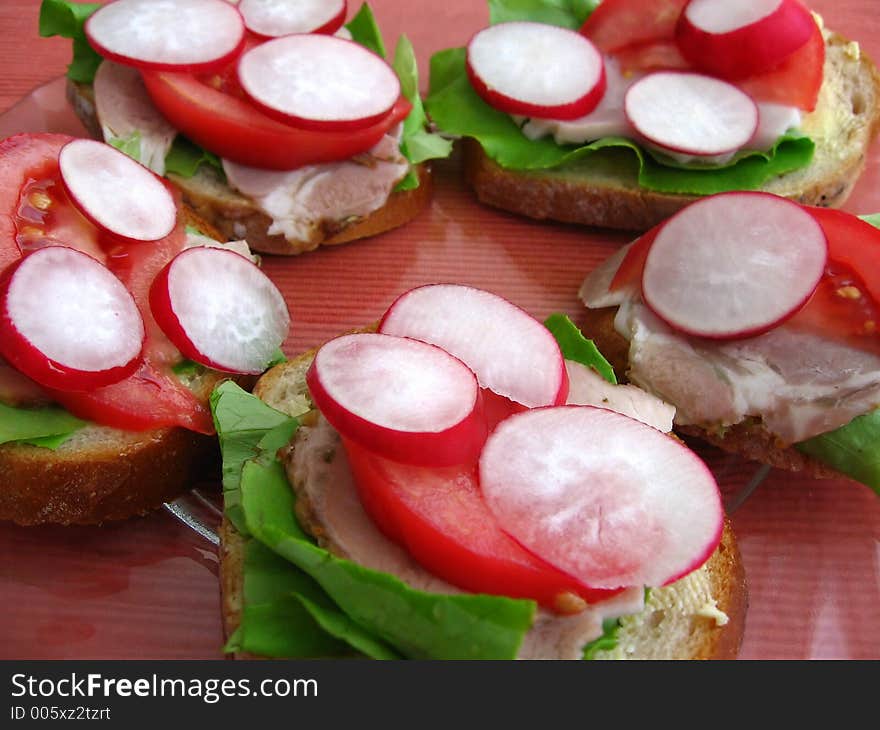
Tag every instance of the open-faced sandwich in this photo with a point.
(618, 114)
(757, 319)
(467, 483)
(277, 123)
(117, 319)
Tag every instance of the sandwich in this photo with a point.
(386, 496)
(277, 123)
(756, 318)
(116, 323)
(672, 100)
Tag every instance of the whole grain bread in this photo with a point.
(662, 631)
(103, 473)
(607, 194)
(750, 439)
(237, 216)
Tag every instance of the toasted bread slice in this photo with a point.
(749, 439)
(846, 120)
(237, 216)
(103, 473)
(676, 623)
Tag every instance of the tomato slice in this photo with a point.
(617, 24)
(650, 56)
(796, 81)
(629, 273)
(230, 127)
(439, 516)
(34, 212)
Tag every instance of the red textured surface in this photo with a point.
(148, 588)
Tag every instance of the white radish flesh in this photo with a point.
(736, 39)
(220, 310)
(402, 399)
(511, 353)
(68, 322)
(690, 113)
(116, 193)
(183, 35)
(319, 82)
(734, 265)
(537, 70)
(274, 18)
(601, 496)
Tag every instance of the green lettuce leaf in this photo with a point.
(130, 145)
(851, 449)
(458, 110)
(47, 427)
(576, 347)
(185, 157)
(606, 642)
(66, 19)
(417, 624)
(246, 428)
(416, 144)
(565, 13)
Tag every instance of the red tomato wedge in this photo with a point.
(629, 274)
(796, 81)
(846, 304)
(439, 516)
(232, 128)
(649, 56)
(616, 24)
(35, 212)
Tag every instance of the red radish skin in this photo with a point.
(734, 265)
(167, 35)
(536, 70)
(511, 353)
(691, 114)
(115, 193)
(220, 310)
(67, 322)
(274, 18)
(735, 40)
(403, 399)
(602, 497)
(439, 516)
(319, 82)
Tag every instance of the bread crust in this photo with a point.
(115, 477)
(615, 200)
(237, 216)
(725, 568)
(749, 439)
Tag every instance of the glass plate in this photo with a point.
(148, 587)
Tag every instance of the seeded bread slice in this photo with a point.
(672, 626)
(846, 120)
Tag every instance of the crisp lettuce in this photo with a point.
(130, 145)
(66, 19)
(416, 144)
(370, 612)
(185, 157)
(576, 347)
(565, 13)
(48, 427)
(458, 110)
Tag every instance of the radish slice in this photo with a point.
(220, 310)
(319, 82)
(735, 39)
(734, 265)
(512, 354)
(167, 35)
(116, 193)
(691, 113)
(67, 322)
(536, 70)
(402, 399)
(601, 496)
(274, 18)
